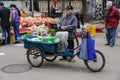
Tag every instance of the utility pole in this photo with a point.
(48, 8)
(69, 2)
(84, 5)
(104, 3)
(63, 5)
(32, 7)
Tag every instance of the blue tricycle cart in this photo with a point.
(38, 51)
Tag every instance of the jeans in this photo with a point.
(16, 30)
(110, 35)
(71, 45)
(6, 30)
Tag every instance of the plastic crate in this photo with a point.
(47, 47)
(92, 30)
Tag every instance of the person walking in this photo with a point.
(81, 19)
(15, 21)
(5, 24)
(111, 23)
(68, 22)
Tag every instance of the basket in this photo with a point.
(47, 47)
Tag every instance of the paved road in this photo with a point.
(62, 70)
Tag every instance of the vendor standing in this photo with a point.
(5, 23)
(16, 21)
(68, 22)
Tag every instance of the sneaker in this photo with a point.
(8, 43)
(16, 42)
(2, 44)
(70, 59)
(73, 61)
(111, 45)
(107, 44)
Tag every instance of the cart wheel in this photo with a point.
(35, 57)
(96, 65)
(50, 58)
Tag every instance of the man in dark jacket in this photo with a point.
(68, 22)
(5, 23)
(111, 17)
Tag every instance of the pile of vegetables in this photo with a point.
(37, 38)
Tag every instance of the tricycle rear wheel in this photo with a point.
(96, 65)
(35, 57)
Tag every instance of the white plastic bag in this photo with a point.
(63, 36)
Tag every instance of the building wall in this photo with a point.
(95, 9)
(18, 3)
(77, 5)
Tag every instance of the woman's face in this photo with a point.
(108, 7)
(12, 8)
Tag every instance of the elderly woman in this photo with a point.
(111, 17)
(68, 23)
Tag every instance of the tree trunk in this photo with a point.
(36, 5)
(69, 2)
(104, 3)
(84, 5)
(22, 4)
(48, 8)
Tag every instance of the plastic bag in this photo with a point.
(87, 51)
(63, 36)
(84, 51)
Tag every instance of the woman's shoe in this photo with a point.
(16, 42)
